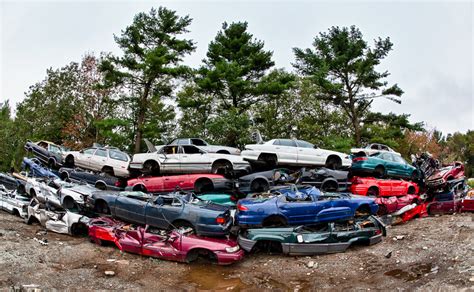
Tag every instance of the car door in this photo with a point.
(385, 187)
(154, 184)
(163, 211)
(83, 157)
(335, 207)
(169, 158)
(194, 160)
(398, 187)
(98, 159)
(391, 167)
(308, 155)
(170, 183)
(156, 245)
(286, 151)
(130, 209)
(298, 212)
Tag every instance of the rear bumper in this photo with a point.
(213, 230)
(136, 165)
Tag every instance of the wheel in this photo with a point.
(203, 185)
(221, 167)
(102, 208)
(101, 186)
(373, 192)
(259, 185)
(330, 186)
(379, 171)
(70, 205)
(411, 190)
(333, 162)
(69, 161)
(151, 167)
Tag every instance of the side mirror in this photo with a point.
(159, 201)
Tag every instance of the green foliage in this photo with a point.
(151, 62)
(343, 67)
(460, 147)
(7, 136)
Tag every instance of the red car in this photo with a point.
(441, 177)
(468, 202)
(176, 245)
(186, 182)
(388, 205)
(373, 187)
(413, 211)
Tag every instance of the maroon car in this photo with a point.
(388, 205)
(176, 245)
(440, 178)
(186, 182)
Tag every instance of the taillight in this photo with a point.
(242, 208)
(359, 159)
(220, 220)
(378, 231)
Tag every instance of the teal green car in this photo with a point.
(312, 240)
(383, 164)
(219, 198)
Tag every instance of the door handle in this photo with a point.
(277, 147)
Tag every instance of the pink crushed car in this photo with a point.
(388, 205)
(176, 245)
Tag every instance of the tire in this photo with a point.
(219, 166)
(330, 186)
(101, 207)
(270, 160)
(373, 192)
(379, 171)
(259, 185)
(108, 170)
(69, 161)
(151, 167)
(333, 162)
(101, 186)
(64, 176)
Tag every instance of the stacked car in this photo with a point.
(189, 199)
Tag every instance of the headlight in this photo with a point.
(299, 238)
(84, 220)
(232, 249)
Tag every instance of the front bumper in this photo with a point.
(225, 258)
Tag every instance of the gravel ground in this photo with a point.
(433, 253)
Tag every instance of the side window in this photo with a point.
(287, 142)
(101, 153)
(183, 142)
(304, 144)
(43, 145)
(89, 151)
(383, 147)
(374, 146)
(117, 155)
(169, 150)
(198, 142)
(54, 149)
(399, 159)
(276, 142)
(386, 156)
(188, 149)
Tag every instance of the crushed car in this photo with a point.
(13, 202)
(264, 180)
(440, 178)
(448, 202)
(187, 182)
(47, 152)
(164, 211)
(373, 187)
(174, 245)
(55, 218)
(331, 237)
(327, 180)
(300, 206)
(389, 205)
(33, 168)
(100, 181)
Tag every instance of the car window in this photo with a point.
(101, 153)
(287, 142)
(170, 150)
(54, 149)
(383, 147)
(445, 197)
(304, 144)
(398, 159)
(386, 156)
(189, 149)
(118, 155)
(89, 151)
(198, 142)
(276, 142)
(374, 146)
(182, 142)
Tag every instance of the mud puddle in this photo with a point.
(412, 273)
(212, 277)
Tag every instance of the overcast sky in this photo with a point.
(432, 57)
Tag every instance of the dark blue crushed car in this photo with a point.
(174, 210)
(33, 167)
(301, 206)
(47, 152)
(100, 181)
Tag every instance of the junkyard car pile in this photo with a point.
(189, 199)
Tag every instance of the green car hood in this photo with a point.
(221, 199)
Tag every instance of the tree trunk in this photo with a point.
(141, 119)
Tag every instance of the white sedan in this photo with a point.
(294, 152)
(186, 159)
(373, 148)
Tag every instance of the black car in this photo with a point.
(263, 181)
(325, 179)
(47, 152)
(101, 181)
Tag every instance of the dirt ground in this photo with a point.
(436, 253)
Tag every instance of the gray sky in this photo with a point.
(432, 57)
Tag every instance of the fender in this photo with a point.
(339, 212)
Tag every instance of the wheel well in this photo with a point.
(32, 219)
(373, 188)
(269, 246)
(64, 175)
(261, 181)
(273, 220)
(52, 159)
(152, 161)
(196, 253)
(203, 184)
(16, 212)
(411, 190)
(262, 156)
(139, 188)
(332, 156)
(363, 209)
(100, 185)
(106, 168)
(100, 202)
(32, 192)
(69, 157)
(329, 182)
(78, 229)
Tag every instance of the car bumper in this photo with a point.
(250, 155)
(136, 165)
(245, 243)
(223, 184)
(435, 183)
(243, 167)
(225, 258)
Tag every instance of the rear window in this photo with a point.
(198, 142)
(117, 155)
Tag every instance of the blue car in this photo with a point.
(304, 206)
(33, 167)
(165, 211)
